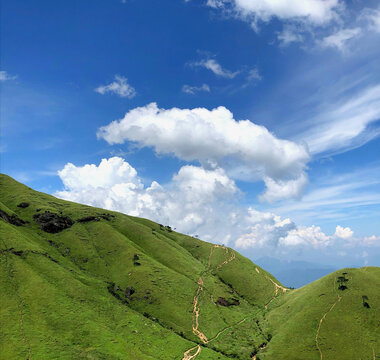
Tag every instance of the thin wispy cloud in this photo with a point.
(340, 39)
(118, 87)
(338, 197)
(288, 36)
(254, 74)
(315, 12)
(215, 67)
(4, 76)
(372, 17)
(195, 89)
(345, 124)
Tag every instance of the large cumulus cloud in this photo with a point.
(196, 201)
(216, 140)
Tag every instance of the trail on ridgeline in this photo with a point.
(276, 288)
(320, 324)
(195, 325)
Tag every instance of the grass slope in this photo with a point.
(112, 286)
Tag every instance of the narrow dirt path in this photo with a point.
(227, 328)
(188, 356)
(232, 257)
(195, 325)
(276, 288)
(320, 324)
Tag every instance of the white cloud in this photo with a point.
(195, 201)
(343, 124)
(289, 35)
(109, 173)
(252, 77)
(372, 240)
(279, 189)
(338, 198)
(316, 12)
(254, 74)
(262, 229)
(373, 18)
(194, 89)
(119, 87)
(309, 236)
(339, 39)
(4, 76)
(343, 233)
(216, 139)
(215, 67)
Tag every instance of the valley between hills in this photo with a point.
(79, 282)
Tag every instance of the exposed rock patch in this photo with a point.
(23, 205)
(11, 219)
(118, 293)
(224, 302)
(136, 259)
(53, 223)
(129, 291)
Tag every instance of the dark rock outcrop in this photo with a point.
(53, 223)
(129, 291)
(11, 219)
(23, 205)
(224, 302)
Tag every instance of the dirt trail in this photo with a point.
(232, 257)
(320, 324)
(227, 328)
(188, 356)
(276, 288)
(195, 325)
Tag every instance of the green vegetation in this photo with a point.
(83, 283)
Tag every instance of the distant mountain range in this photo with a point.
(79, 282)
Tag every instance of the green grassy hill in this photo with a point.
(83, 283)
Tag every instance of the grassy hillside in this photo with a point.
(336, 317)
(83, 283)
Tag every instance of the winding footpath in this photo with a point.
(276, 288)
(190, 354)
(320, 324)
(194, 351)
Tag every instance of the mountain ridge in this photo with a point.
(82, 282)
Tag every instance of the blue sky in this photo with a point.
(299, 179)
